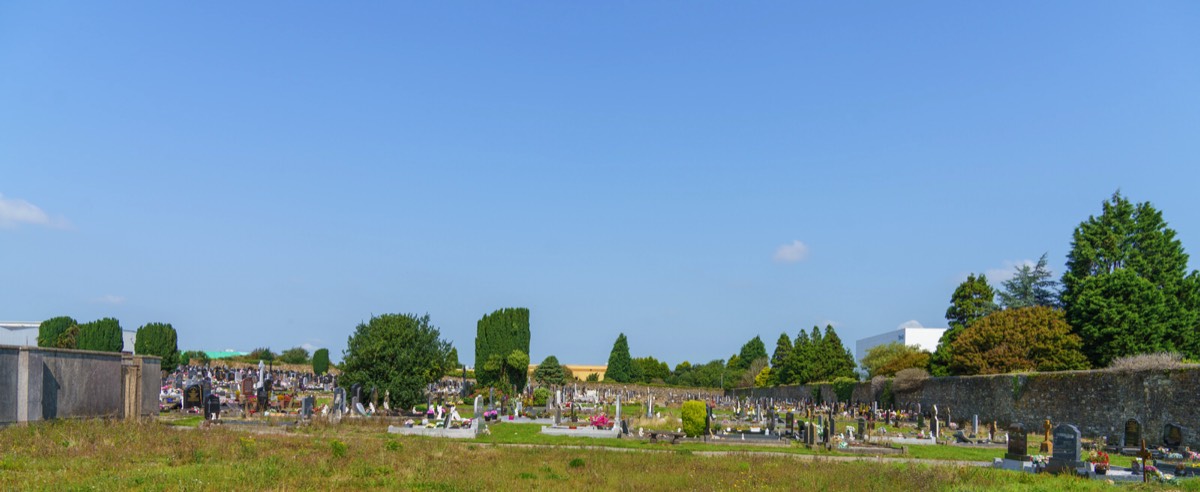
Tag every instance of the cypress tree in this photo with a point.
(620, 365)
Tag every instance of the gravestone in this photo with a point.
(1173, 435)
(358, 407)
(862, 428)
(974, 425)
(1067, 449)
(193, 397)
(1132, 436)
(263, 396)
(339, 400)
(934, 426)
(212, 407)
(791, 421)
(1018, 443)
(306, 407)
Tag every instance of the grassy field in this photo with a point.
(99, 455)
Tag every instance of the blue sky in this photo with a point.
(689, 173)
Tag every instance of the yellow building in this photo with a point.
(578, 371)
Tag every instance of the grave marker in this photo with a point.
(1133, 433)
(1173, 435)
(212, 407)
(1067, 449)
(1018, 443)
(193, 397)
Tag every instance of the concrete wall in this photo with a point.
(1098, 402)
(922, 338)
(43, 383)
(8, 384)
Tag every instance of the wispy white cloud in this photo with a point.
(1006, 271)
(792, 252)
(15, 211)
(110, 299)
(912, 323)
(309, 347)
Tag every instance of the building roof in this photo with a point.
(19, 325)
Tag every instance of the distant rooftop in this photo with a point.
(19, 325)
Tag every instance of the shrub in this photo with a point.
(52, 330)
(103, 335)
(320, 361)
(593, 378)
(338, 448)
(576, 463)
(843, 387)
(294, 355)
(197, 356)
(1148, 362)
(540, 397)
(909, 380)
(693, 417)
(262, 353)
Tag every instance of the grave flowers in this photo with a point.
(1099, 460)
(600, 421)
(491, 415)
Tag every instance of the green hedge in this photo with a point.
(103, 335)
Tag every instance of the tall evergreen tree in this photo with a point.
(834, 359)
(620, 365)
(51, 331)
(751, 351)
(972, 300)
(497, 335)
(158, 339)
(103, 335)
(1126, 290)
(1030, 286)
(783, 347)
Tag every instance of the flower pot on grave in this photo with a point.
(510, 417)
(1102, 468)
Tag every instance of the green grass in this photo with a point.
(357, 455)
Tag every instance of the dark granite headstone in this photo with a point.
(1133, 434)
(862, 427)
(306, 406)
(791, 422)
(1018, 443)
(1173, 435)
(1067, 449)
(212, 407)
(193, 397)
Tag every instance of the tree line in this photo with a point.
(1125, 292)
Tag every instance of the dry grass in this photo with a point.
(908, 380)
(98, 455)
(1148, 362)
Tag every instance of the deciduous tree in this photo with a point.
(400, 353)
(1022, 339)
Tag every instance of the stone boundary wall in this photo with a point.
(1098, 402)
(44, 383)
(637, 392)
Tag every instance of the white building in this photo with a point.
(19, 333)
(25, 334)
(923, 338)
